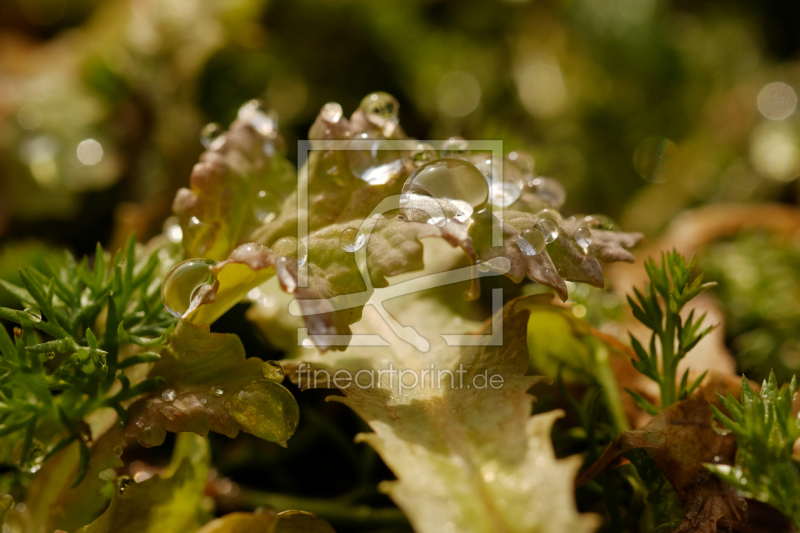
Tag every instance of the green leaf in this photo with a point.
(51, 502)
(643, 403)
(170, 502)
(209, 385)
(462, 454)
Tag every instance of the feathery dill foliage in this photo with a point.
(672, 285)
(766, 430)
(69, 347)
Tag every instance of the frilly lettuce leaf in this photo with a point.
(236, 173)
(211, 386)
(464, 455)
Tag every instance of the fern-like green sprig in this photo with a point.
(64, 359)
(672, 285)
(766, 430)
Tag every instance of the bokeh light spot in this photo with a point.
(459, 93)
(776, 101)
(90, 152)
(654, 159)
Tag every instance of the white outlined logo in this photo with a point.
(376, 296)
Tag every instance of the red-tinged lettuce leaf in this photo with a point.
(211, 386)
(171, 501)
(467, 455)
(215, 216)
(680, 440)
(392, 246)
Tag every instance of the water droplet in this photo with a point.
(654, 159)
(523, 161)
(457, 187)
(124, 483)
(504, 194)
(184, 282)
(423, 153)
(552, 214)
(172, 230)
(307, 343)
(266, 410)
(216, 391)
(169, 395)
(454, 147)
(550, 191)
(381, 109)
(266, 206)
(350, 240)
(331, 112)
(531, 241)
(547, 223)
(599, 222)
(290, 247)
(263, 120)
(373, 161)
(118, 451)
(584, 238)
(34, 314)
(210, 133)
(273, 371)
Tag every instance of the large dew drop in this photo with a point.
(456, 186)
(290, 247)
(350, 240)
(381, 109)
(584, 238)
(266, 410)
(599, 222)
(263, 120)
(184, 282)
(373, 161)
(547, 222)
(531, 241)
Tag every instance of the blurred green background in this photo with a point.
(642, 108)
